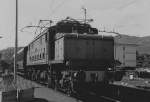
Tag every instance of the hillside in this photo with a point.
(7, 54)
(143, 43)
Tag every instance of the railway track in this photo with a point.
(93, 97)
(109, 93)
(84, 95)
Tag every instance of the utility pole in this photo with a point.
(16, 43)
(84, 14)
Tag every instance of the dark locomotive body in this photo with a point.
(69, 54)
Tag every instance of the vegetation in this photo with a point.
(6, 59)
(143, 60)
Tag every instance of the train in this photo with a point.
(69, 55)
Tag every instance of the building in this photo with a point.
(125, 51)
(125, 48)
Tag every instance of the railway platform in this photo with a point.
(29, 91)
(142, 83)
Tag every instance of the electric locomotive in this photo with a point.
(69, 55)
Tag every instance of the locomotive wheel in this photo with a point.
(51, 83)
(27, 75)
(69, 90)
(38, 76)
(56, 87)
(118, 76)
(35, 76)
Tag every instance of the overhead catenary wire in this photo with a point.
(37, 28)
(52, 12)
(57, 7)
(40, 24)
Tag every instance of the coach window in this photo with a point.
(40, 56)
(45, 37)
(35, 58)
(44, 50)
(123, 48)
(35, 49)
(43, 55)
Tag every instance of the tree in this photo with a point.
(0, 56)
(4, 65)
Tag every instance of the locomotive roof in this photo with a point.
(64, 26)
(85, 36)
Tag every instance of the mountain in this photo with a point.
(143, 43)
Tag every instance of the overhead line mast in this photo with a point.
(85, 14)
(50, 22)
(16, 43)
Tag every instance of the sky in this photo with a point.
(131, 17)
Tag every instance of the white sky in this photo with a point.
(130, 17)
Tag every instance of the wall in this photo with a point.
(126, 54)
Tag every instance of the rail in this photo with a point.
(112, 93)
